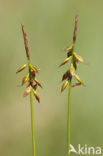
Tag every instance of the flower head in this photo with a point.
(30, 77)
(74, 59)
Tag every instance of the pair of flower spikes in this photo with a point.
(30, 77)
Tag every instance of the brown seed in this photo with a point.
(78, 78)
(21, 68)
(64, 85)
(69, 53)
(69, 48)
(27, 91)
(35, 86)
(76, 84)
(75, 62)
(78, 58)
(75, 65)
(65, 61)
(36, 95)
(72, 69)
(34, 69)
(38, 83)
(67, 75)
(25, 79)
(33, 74)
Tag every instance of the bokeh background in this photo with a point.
(49, 26)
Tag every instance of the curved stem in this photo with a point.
(69, 100)
(32, 123)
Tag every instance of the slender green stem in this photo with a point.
(69, 100)
(32, 123)
(32, 114)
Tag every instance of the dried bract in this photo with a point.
(78, 78)
(67, 75)
(27, 91)
(38, 83)
(24, 80)
(36, 96)
(69, 48)
(76, 84)
(78, 58)
(22, 68)
(65, 61)
(64, 85)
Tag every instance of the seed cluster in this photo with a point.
(75, 59)
(30, 77)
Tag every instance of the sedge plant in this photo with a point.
(32, 85)
(70, 75)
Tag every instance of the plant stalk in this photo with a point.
(69, 100)
(32, 123)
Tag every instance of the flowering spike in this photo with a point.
(31, 87)
(75, 28)
(71, 55)
(25, 42)
(70, 74)
(64, 86)
(22, 68)
(65, 61)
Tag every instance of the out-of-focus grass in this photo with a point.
(49, 26)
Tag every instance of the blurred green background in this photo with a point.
(49, 26)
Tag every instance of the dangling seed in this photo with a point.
(27, 91)
(76, 84)
(75, 65)
(67, 75)
(79, 58)
(72, 69)
(35, 86)
(75, 62)
(64, 86)
(69, 53)
(69, 48)
(36, 95)
(25, 79)
(38, 83)
(21, 68)
(34, 69)
(65, 61)
(33, 74)
(78, 78)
